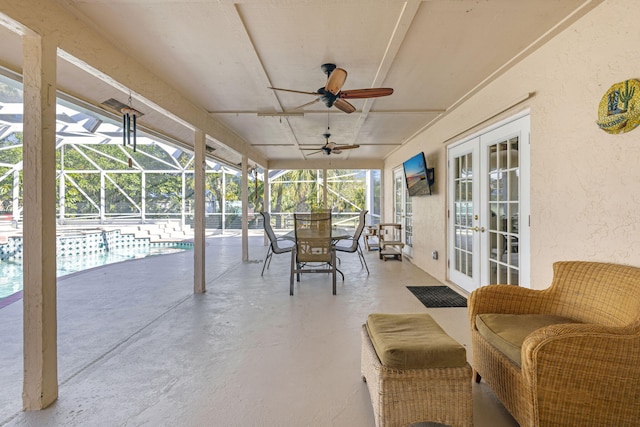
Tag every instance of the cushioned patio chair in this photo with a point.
(352, 244)
(277, 245)
(568, 355)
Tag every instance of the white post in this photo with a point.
(199, 167)
(16, 197)
(245, 208)
(382, 191)
(143, 201)
(324, 190)
(183, 202)
(61, 189)
(103, 207)
(40, 385)
(224, 200)
(266, 194)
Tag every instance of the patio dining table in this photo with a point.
(337, 233)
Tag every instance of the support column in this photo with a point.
(199, 170)
(16, 196)
(245, 208)
(183, 201)
(371, 196)
(223, 214)
(40, 385)
(324, 189)
(61, 189)
(266, 194)
(103, 198)
(143, 197)
(382, 191)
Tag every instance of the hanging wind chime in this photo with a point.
(129, 115)
(254, 172)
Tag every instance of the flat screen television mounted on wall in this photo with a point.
(419, 178)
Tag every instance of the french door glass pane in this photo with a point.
(398, 187)
(503, 179)
(408, 221)
(463, 219)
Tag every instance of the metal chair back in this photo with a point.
(355, 241)
(274, 247)
(314, 251)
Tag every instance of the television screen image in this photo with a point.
(417, 175)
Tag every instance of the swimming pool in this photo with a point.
(11, 269)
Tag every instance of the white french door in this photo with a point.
(402, 210)
(489, 207)
(464, 246)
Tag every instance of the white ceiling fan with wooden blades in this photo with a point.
(331, 147)
(332, 94)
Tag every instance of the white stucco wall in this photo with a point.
(585, 198)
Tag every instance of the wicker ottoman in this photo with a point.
(432, 390)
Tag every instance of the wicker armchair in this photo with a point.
(584, 371)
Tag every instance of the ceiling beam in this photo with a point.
(403, 24)
(99, 57)
(312, 112)
(235, 18)
(327, 162)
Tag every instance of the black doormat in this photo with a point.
(438, 296)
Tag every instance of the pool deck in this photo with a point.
(137, 347)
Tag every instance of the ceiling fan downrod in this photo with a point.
(328, 68)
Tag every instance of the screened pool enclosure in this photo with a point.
(100, 180)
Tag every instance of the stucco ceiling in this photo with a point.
(223, 55)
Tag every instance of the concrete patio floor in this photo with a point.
(137, 348)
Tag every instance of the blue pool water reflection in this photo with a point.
(11, 269)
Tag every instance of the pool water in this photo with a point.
(11, 270)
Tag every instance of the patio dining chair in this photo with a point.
(352, 244)
(277, 245)
(314, 251)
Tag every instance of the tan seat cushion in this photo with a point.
(507, 332)
(413, 341)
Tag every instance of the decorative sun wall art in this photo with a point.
(619, 109)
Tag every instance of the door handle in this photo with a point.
(480, 229)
